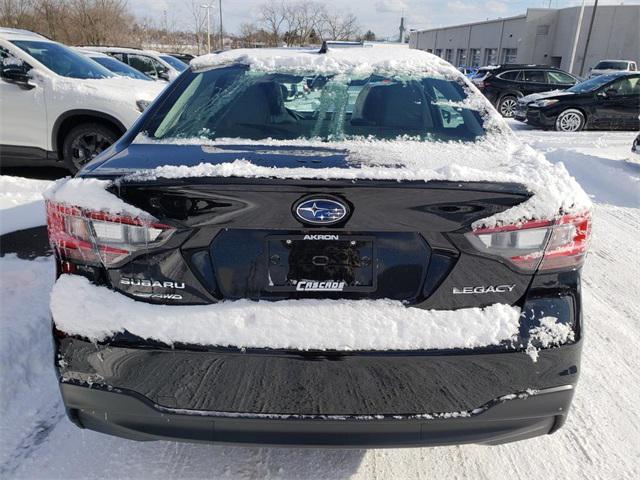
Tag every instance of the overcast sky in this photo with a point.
(380, 16)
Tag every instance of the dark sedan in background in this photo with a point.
(503, 85)
(610, 102)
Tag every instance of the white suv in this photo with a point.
(160, 66)
(611, 66)
(60, 106)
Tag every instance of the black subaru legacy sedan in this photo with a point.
(334, 249)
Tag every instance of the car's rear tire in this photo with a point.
(507, 106)
(570, 120)
(84, 142)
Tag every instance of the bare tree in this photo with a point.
(369, 36)
(307, 19)
(95, 22)
(272, 16)
(199, 17)
(16, 13)
(339, 27)
(299, 22)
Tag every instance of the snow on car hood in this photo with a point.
(287, 324)
(118, 90)
(538, 96)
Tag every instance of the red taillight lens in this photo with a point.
(96, 238)
(543, 245)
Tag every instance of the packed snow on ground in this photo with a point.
(21, 203)
(295, 324)
(599, 440)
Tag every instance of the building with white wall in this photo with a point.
(541, 36)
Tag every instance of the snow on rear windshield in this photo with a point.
(236, 102)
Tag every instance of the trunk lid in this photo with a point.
(241, 238)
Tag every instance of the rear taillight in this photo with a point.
(96, 238)
(542, 245)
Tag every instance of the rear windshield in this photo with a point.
(609, 65)
(234, 102)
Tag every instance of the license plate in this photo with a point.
(321, 263)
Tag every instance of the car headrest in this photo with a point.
(397, 105)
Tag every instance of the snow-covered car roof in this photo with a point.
(119, 50)
(20, 34)
(90, 53)
(381, 59)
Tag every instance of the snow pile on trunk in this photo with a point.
(498, 158)
(291, 324)
(389, 60)
(92, 194)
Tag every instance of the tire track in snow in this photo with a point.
(37, 435)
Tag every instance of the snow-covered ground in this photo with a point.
(21, 204)
(600, 439)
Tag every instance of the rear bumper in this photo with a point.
(127, 415)
(354, 399)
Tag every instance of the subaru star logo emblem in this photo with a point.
(321, 211)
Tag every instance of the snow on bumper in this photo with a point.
(81, 308)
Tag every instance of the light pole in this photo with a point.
(576, 37)
(586, 43)
(221, 34)
(208, 7)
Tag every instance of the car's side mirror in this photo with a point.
(163, 75)
(16, 75)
